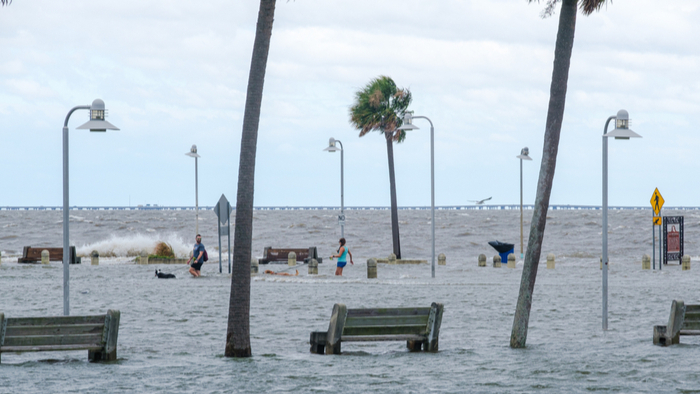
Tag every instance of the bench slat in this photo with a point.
(67, 329)
(388, 312)
(692, 316)
(690, 325)
(48, 348)
(385, 320)
(54, 320)
(692, 308)
(690, 332)
(50, 340)
(352, 338)
(417, 329)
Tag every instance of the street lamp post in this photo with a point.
(523, 156)
(193, 153)
(98, 123)
(408, 125)
(621, 132)
(332, 148)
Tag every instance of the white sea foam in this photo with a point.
(124, 246)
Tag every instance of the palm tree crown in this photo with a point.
(380, 106)
(587, 6)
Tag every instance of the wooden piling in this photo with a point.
(313, 267)
(44, 256)
(95, 258)
(497, 261)
(646, 262)
(685, 263)
(292, 259)
(254, 266)
(482, 260)
(442, 259)
(371, 269)
(511, 260)
(550, 261)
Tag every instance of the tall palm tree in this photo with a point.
(557, 99)
(380, 106)
(238, 332)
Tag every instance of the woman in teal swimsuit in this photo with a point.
(343, 252)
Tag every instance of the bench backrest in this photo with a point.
(97, 333)
(53, 331)
(691, 320)
(30, 254)
(386, 321)
(281, 254)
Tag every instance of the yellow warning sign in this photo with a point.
(657, 220)
(656, 202)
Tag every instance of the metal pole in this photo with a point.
(66, 238)
(218, 223)
(521, 208)
(661, 249)
(342, 182)
(605, 225)
(432, 190)
(228, 251)
(196, 196)
(653, 244)
(66, 226)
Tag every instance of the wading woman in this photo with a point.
(342, 256)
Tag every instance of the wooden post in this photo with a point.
(2, 331)
(292, 259)
(44, 256)
(335, 328)
(646, 262)
(497, 261)
(391, 259)
(371, 269)
(550, 261)
(144, 257)
(313, 267)
(254, 266)
(94, 258)
(318, 342)
(685, 263)
(442, 260)
(482, 260)
(434, 321)
(511, 260)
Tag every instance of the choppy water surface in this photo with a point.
(172, 332)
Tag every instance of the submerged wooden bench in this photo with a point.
(684, 320)
(33, 255)
(279, 255)
(419, 327)
(96, 334)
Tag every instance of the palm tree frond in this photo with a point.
(5, 2)
(588, 6)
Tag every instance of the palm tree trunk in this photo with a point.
(555, 114)
(238, 332)
(394, 206)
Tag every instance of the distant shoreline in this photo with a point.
(497, 207)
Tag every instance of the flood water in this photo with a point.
(172, 332)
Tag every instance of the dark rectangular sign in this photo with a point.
(673, 238)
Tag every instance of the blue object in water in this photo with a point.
(503, 249)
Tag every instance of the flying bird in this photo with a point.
(480, 202)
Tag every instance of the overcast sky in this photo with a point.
(174, 73)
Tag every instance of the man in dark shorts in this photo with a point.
(198, 256)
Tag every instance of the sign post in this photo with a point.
(673, 238)
(223, 211)
(657, 201)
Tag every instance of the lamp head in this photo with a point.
(331, 145)
(622, 127)
(97, 121)
(524, 154)
(193, 152)
(408, 122)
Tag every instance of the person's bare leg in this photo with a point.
(194, 272)
(338, 271)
